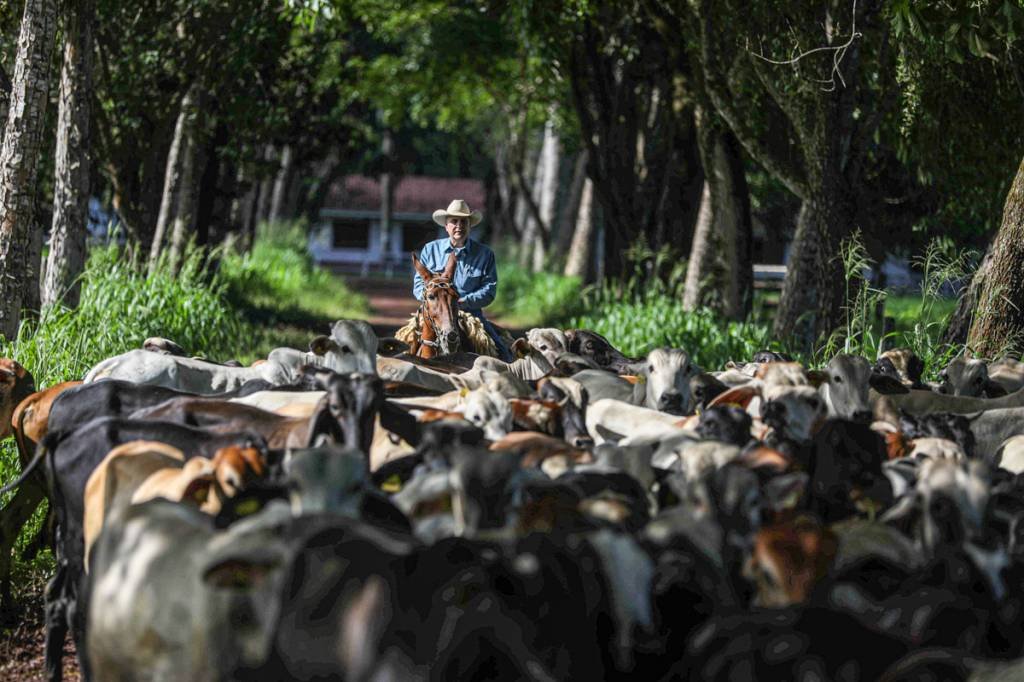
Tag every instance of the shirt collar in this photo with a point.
(448, 248)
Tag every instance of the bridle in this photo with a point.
(439, 283)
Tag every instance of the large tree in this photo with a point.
(999, 318)
(71, 181)
(18, 160)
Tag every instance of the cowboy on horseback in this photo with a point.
(475, 277)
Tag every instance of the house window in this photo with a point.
(351, 234)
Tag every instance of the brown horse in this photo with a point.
(437, 321)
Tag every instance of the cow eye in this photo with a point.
(836, 378)
(978, 380)
(346, 349)
(650, 368)
(544, 347)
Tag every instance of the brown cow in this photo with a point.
(16, 384)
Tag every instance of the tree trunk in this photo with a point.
(550, 158)
(73, 162)
(183, 225)
(18, 159)
(172, 177)
(571, 206)
(281, 180)
(812, 294)
(702, 253)
(266, 190)
(5, 96)
(578, 263)
(731, 202)
(998, 325)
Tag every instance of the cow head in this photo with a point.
(327, 480)
(968, 377)
(789, 559)
(351, 347)
(571, 397)
(793, 412)
(725, 423)
(595, 347)
(353, 402)
(901, 364)
(490, 411)
(704, 388)
(846, 470)
(844, 385)
(549, 341)
(16, 384)
(666, 374)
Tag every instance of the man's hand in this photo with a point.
(461, 301)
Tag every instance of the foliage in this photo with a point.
(278, 281)
(527, 299)
(120, 308)
(651, 320)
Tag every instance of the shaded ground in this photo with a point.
(22, 638)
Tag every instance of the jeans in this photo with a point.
(503, 352)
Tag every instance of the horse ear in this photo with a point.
(420, 268)
(449, 268)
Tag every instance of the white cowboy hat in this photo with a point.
(460, 209)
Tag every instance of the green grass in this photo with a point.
(526, 299)
(286, 297)
(279, 277)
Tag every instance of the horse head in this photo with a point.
(439, 311)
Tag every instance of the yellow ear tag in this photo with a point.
(641, 379)
(463, 392)
(392, 485)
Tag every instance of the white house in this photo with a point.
(349, 237)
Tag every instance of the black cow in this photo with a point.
(845, 470)
(596, 348)
(116, 398)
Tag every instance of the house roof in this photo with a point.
(413, 194)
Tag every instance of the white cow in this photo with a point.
(351, 347)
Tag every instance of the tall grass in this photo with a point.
(120, 307)
(527, 299)
(278, 278)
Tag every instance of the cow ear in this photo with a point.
(738, 395)
(321, 344)
(993, 390)
(521, 347)
(887, 385)
(816, 377)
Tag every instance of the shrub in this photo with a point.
(530, 299)
(278, 278)
(120, 307)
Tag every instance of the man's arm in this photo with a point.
(482, 297)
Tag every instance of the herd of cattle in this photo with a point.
(355, 513)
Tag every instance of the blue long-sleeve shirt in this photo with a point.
(476, 274)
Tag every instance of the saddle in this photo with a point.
(473, 329)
